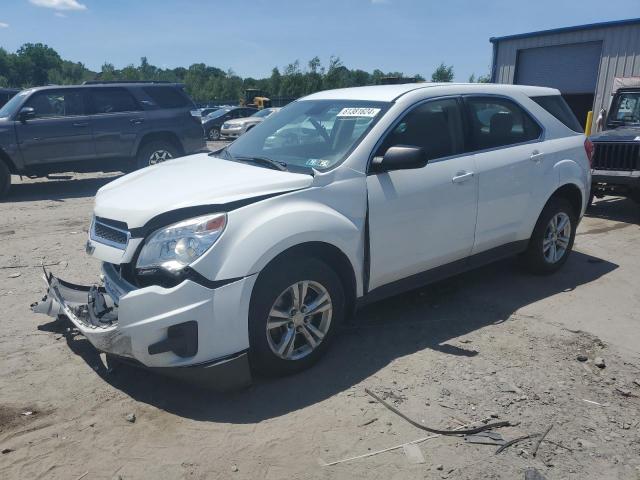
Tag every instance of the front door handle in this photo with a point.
(81, 124)
(536, 156)
(462, 177)
(136, 121)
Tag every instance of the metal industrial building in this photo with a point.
(580, 61)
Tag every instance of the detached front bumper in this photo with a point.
(188, 331)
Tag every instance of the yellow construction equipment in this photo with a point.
(254, 97)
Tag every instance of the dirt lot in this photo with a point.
(495, 343)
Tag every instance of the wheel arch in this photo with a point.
(573, 194)
(333, 256)
(162, 136)
(6, 159)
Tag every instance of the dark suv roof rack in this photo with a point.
(101, 82)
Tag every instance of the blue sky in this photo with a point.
(252, 36)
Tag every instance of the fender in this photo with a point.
(570, 172)
(256, 234)
(564, 172)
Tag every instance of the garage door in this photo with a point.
(569, 68)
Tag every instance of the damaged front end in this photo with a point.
(165, 330)
(91, 309)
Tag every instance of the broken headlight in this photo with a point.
(174, 247)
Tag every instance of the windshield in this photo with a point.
(310, 134)
(263, 113)
(625, 110)
(9, 108)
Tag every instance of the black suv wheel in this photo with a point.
(156, 152)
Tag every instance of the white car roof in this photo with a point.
(388, 93)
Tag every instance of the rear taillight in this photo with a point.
(588, 148)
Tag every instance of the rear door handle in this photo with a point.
(136, 121)
(81, 124)
(462, 177)
(536, 156)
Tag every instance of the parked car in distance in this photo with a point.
(208, 110)
(95, 127)
(256, 253)
(616, 155)
(6, 94)
(235, 128)
(212, 123)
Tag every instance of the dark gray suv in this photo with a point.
(95, 127)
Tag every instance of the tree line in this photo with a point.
(36, 64)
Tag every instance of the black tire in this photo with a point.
(148, 150)
(5, 180)
(271, 284)
(213, 134)
(534, 257)
(590, 201)
(635, 195)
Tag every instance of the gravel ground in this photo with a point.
(494, 344)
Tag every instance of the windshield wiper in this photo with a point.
(267, 162)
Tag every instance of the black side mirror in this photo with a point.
(400, 157)
(26, 113)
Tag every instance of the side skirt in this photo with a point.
(444, 271)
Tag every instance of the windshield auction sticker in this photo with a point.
(358, 112)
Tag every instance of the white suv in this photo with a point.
(251, 257)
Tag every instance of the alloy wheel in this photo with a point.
(159, 156)
(214, 134)
(555, 242)
(299, 320)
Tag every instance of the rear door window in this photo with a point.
(113, 100)
(498, 122)
(556, 106)
(436, 126)
(57, 103)
(167, 97)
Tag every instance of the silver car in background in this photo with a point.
(235, 128)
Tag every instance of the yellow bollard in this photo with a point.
(587, 127)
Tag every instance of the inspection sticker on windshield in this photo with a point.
(316, 162)
(358, 112)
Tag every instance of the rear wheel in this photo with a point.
(552, 238)
(156, 152)
(296, 306)
(5, 180)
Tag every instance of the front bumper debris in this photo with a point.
(144, 342)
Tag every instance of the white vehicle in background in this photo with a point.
(235, 128)
(251, 258)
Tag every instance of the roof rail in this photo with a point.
(106, 82)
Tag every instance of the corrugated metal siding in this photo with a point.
(620, 56)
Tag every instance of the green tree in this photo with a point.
(443, 73)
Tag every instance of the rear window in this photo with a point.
(167, 97)
(556, 106)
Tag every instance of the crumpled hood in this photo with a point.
(187, 182)
(620, 134)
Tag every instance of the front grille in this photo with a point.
(109, 235)
(616, 156)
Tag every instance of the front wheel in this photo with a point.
(296, 306)
(552, 238)
(214, 134)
